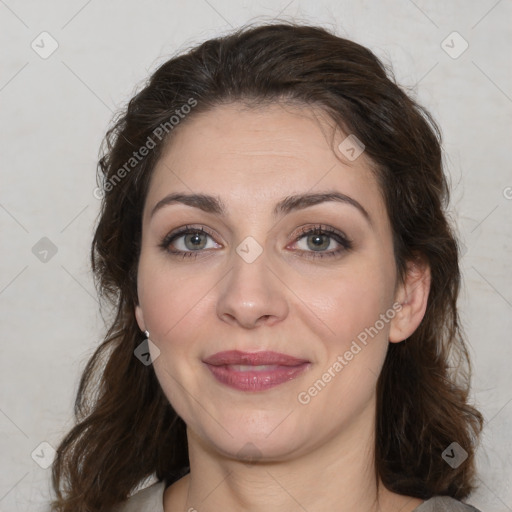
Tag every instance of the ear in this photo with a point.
(412, 295)
(140, 317)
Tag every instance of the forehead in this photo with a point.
(252, 157)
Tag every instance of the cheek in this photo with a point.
(356, 301)
(171, 301)
(358, 312)
(343, 384)
(174, 310)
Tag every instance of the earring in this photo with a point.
(152, 350)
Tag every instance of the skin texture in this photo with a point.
(319, 454)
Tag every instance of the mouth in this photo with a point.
(256, 371)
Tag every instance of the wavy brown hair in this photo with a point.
(126, 431)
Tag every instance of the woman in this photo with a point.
(273, 222)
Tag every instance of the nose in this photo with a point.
(252, 294)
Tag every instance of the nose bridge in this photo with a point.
(251, 290)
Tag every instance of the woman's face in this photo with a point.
(254, 280)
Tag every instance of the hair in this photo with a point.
(126, 430)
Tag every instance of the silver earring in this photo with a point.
(153, 351)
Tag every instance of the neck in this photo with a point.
(337, 476)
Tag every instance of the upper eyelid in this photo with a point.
(190, 228)
(324, 229)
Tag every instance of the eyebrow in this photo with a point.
(215, 205)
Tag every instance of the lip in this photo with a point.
(279, 368)
(253, 358)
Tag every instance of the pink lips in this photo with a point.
(233, 368)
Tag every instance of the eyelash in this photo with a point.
(340, 238)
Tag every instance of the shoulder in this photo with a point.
(149, 499)
(445, 504)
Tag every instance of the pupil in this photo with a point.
(195, 239)
(317, 241)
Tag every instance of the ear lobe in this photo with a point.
(412, 295)
(140, 317)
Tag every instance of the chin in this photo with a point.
(254, 438)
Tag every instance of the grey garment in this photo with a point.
(444, 504)
(151, 499)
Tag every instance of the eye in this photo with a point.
(190, 241)
(319, 238)
(187, 242)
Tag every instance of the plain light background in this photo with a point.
(55, 111)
